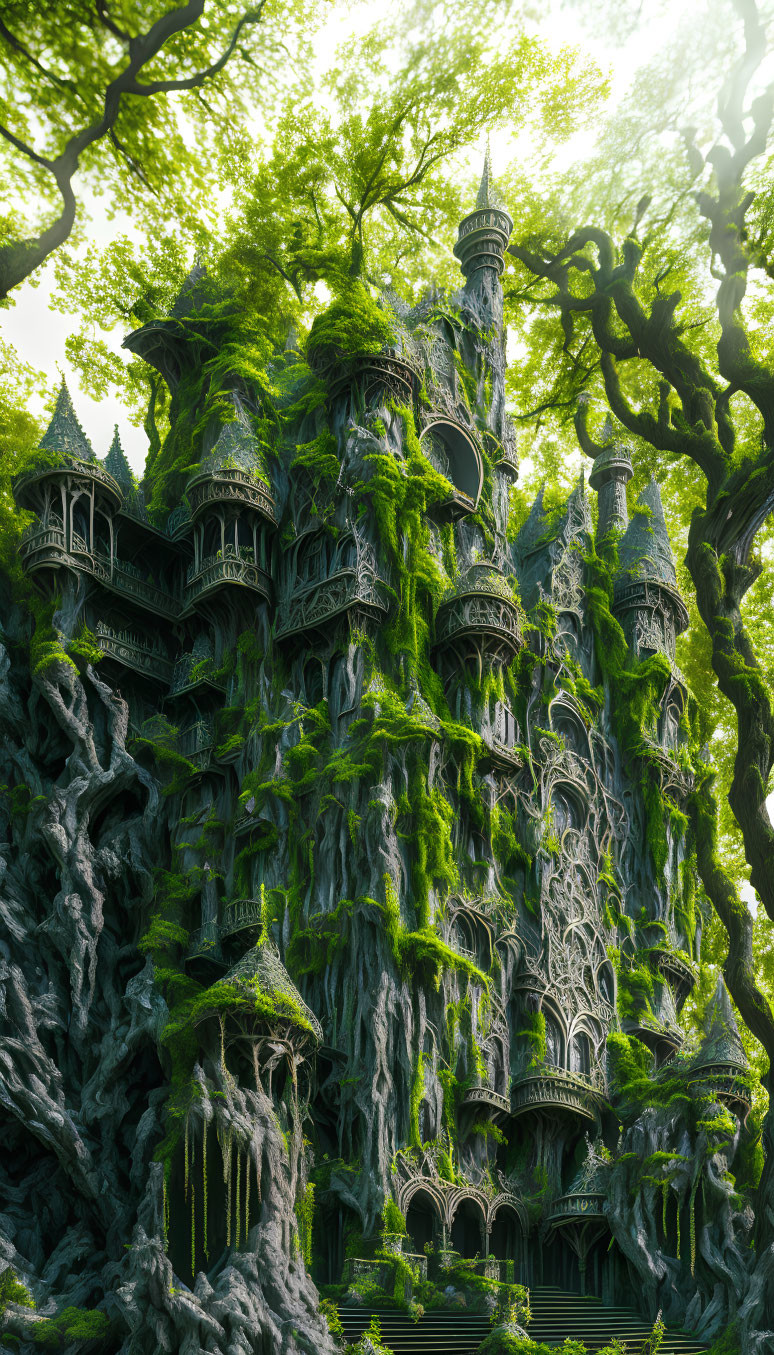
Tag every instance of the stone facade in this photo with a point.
(351, 868)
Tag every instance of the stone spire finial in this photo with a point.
(64, 433)
(488, 195)
(481, 244)
(116, 463)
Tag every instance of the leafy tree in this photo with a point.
(129, 96)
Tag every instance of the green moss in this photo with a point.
(13, 1291)
(69, 1326)
(353, 326)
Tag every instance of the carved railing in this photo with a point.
(179, 520)
(65, 466)
(507, 461)
(724, 1082)
(41, 547)
(581, 1094)
(134, 653)
(230, 485)
(126, 579)
(241, 915)
(383, 372)
(45, 547)
(195, 744)
(575, 1206)
(216, 570)
(485, 620)
(316, 604)
(190, 672)
(205, 940)
(486, 1096)
(678, 971)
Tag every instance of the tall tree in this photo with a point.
(125, 97)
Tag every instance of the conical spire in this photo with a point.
(116, 463)
(64, 433)
(488, 195)
(189, 296)
(236, 443)
(645, 551)
(722, 1044)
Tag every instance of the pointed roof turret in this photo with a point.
(236, 445)
(64, 433)
(488, 195)
(190, 295)
(484, 233)
(117, 464)
(645, 551)
(722, 1044)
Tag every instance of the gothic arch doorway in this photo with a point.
(467, 1233)
(422, 1221)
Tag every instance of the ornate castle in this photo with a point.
(364, 846)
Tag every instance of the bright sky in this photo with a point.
(39, 333)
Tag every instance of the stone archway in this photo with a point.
(468, 1229)
(423, 1221)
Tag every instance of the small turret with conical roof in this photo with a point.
(481, 244)
(647, 600)
(720, 1067)
(117, 464)
(64, 433)
(610, 474)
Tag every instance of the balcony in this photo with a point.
(348, 589)
(191, 672)
(195, 744)
(676, 969)
(227, 570)
(382, 374)
(241, 915)
(45, 548)
(557, 1091)
(479, 618)
(725, 1083)
(204, 943)
(230, 485)
(73, 470)
(179, 522)
(125, 579)
(579, 1205)
(485, 1098)
(133, 653)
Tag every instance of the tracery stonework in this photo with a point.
(342, 861)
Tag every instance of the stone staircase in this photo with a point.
(555, 1315)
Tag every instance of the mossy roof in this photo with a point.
(645, 551)
(722, 1042)
(236, 444)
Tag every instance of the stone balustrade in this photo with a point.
(315, 605)
(128, 649)
(241, 915)
(215, 571)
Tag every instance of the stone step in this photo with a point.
(556, 1314)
